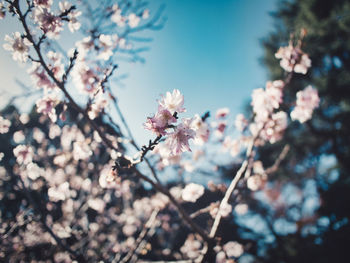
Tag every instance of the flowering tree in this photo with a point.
(79, 195)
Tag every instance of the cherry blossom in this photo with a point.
(166, 156)
(145, 14)
(222, 113)
(107, 43)
(55, 64)
(4, 125)
(117, 16)
(264, 101)
(255, 182)
(274, 127)
(59, 193)
(202, 130)
(23, 153)
(192, 192)
(192, 247)
(241, 122)
(85, 78)
(307, 101)
(173, 102)
(241, 209)
(40, 77)
(160, 122)
(178, 140)
(97, 106)
(48, 22)
(233, 249)
(43, 3)
(18, 45)
(18, 137)
(233, 146)
(73, 24)
(47, 104)
(293, 59)
(133, 20)
(225, 210)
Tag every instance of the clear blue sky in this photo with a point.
(208, 49)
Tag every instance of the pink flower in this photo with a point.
(255, 182)
(233, 249)
(145, 14)
(293, 59)
(222, 113)
(274, 92)
(85, 79)
(220, 128)
(73, 23)
(97, 204)
(173, 102)
(202, 130)
(18, 45)
(107, 44)
(192, 192)
(59, 193)
(55, 64)
(4, 125)
(274, 127)
(178, 141)
(49, 23)
(81, 150)
(133, 20)
(307, 101)
(24, 154)
(261, 104)
(231, 145)
(98, 106)
(43, 3)
(241, 209)
(117, 16)
(160, 121)
(39, 77)
(166, 156)
(47, 105)
(240, 122)
(265, 101)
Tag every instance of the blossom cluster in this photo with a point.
(293, 59)
(307, 101)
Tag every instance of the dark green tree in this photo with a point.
(319, 150)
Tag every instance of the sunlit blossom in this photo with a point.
(173, 101)
(18, 45)
(192, 192)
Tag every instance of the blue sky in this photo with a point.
(208, 49)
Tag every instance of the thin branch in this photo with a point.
(151, 221)
(273, 168)
(182, 212)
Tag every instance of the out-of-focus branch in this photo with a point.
(182, 212)
(273, 168)
(148, 226)
(59, 241)
(60, 84)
